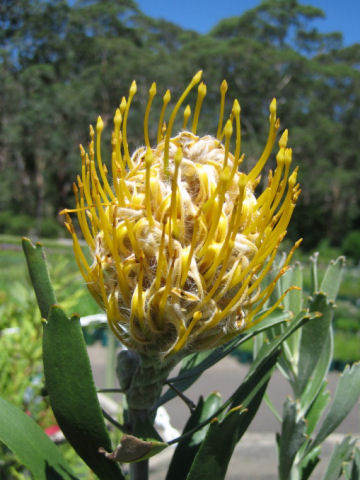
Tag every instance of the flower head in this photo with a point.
(180, 242)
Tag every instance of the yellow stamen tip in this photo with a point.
(117, 118)
(236, 107)
(223, 86)
(99, 125)
(228, 129)
(292, 179)
(202, 89)
(122, 105)
(167, 96)
(284, 139)
(187, 113)
(273, 107)
(152, 90)
(197, 77)
(133, 88)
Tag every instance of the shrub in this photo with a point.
(49, 228)
(351, 245)
(5, 220)
(20, 224)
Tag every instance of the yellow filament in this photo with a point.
(261, 277)
(274, 126)
(275, 181)
(132, 92)
(152, 93)
(166, 100)
(187, 113)
(228, 130)
(134, 244)
(239, 201)
(84, 225)
(102, 283)
(280, 192)
(236, 113)
(196, 79)
(223, 90)
(96, 185)
(180, 343)
(224, 254)
(160, 259)
(199, 101)
(115, 317)
(118, 191)
(99, 129)
(252, 323)
(105, 224)
(166, 291)
(123, 284)
(85, 173)
(185, 271)
(140, 309)
(117, 163)
(266, 293)
(173, 209)
(245, 277)
(223, 182)
(148, 162)
(91, 144)
(79, 256)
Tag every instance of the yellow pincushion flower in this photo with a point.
(180, 242)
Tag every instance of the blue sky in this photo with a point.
(202, 15)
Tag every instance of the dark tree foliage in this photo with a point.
(62, 64)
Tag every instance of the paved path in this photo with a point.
(255, 456)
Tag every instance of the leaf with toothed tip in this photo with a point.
(188, 447)
(213, 457)
(341, 454)
(72, 392)
(39, 274)
(341, 405)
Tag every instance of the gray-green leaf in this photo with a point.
(346, 395)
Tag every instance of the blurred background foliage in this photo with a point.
(63, 63)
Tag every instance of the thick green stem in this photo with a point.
(141, 378)
(140, 470)
(110, 363)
